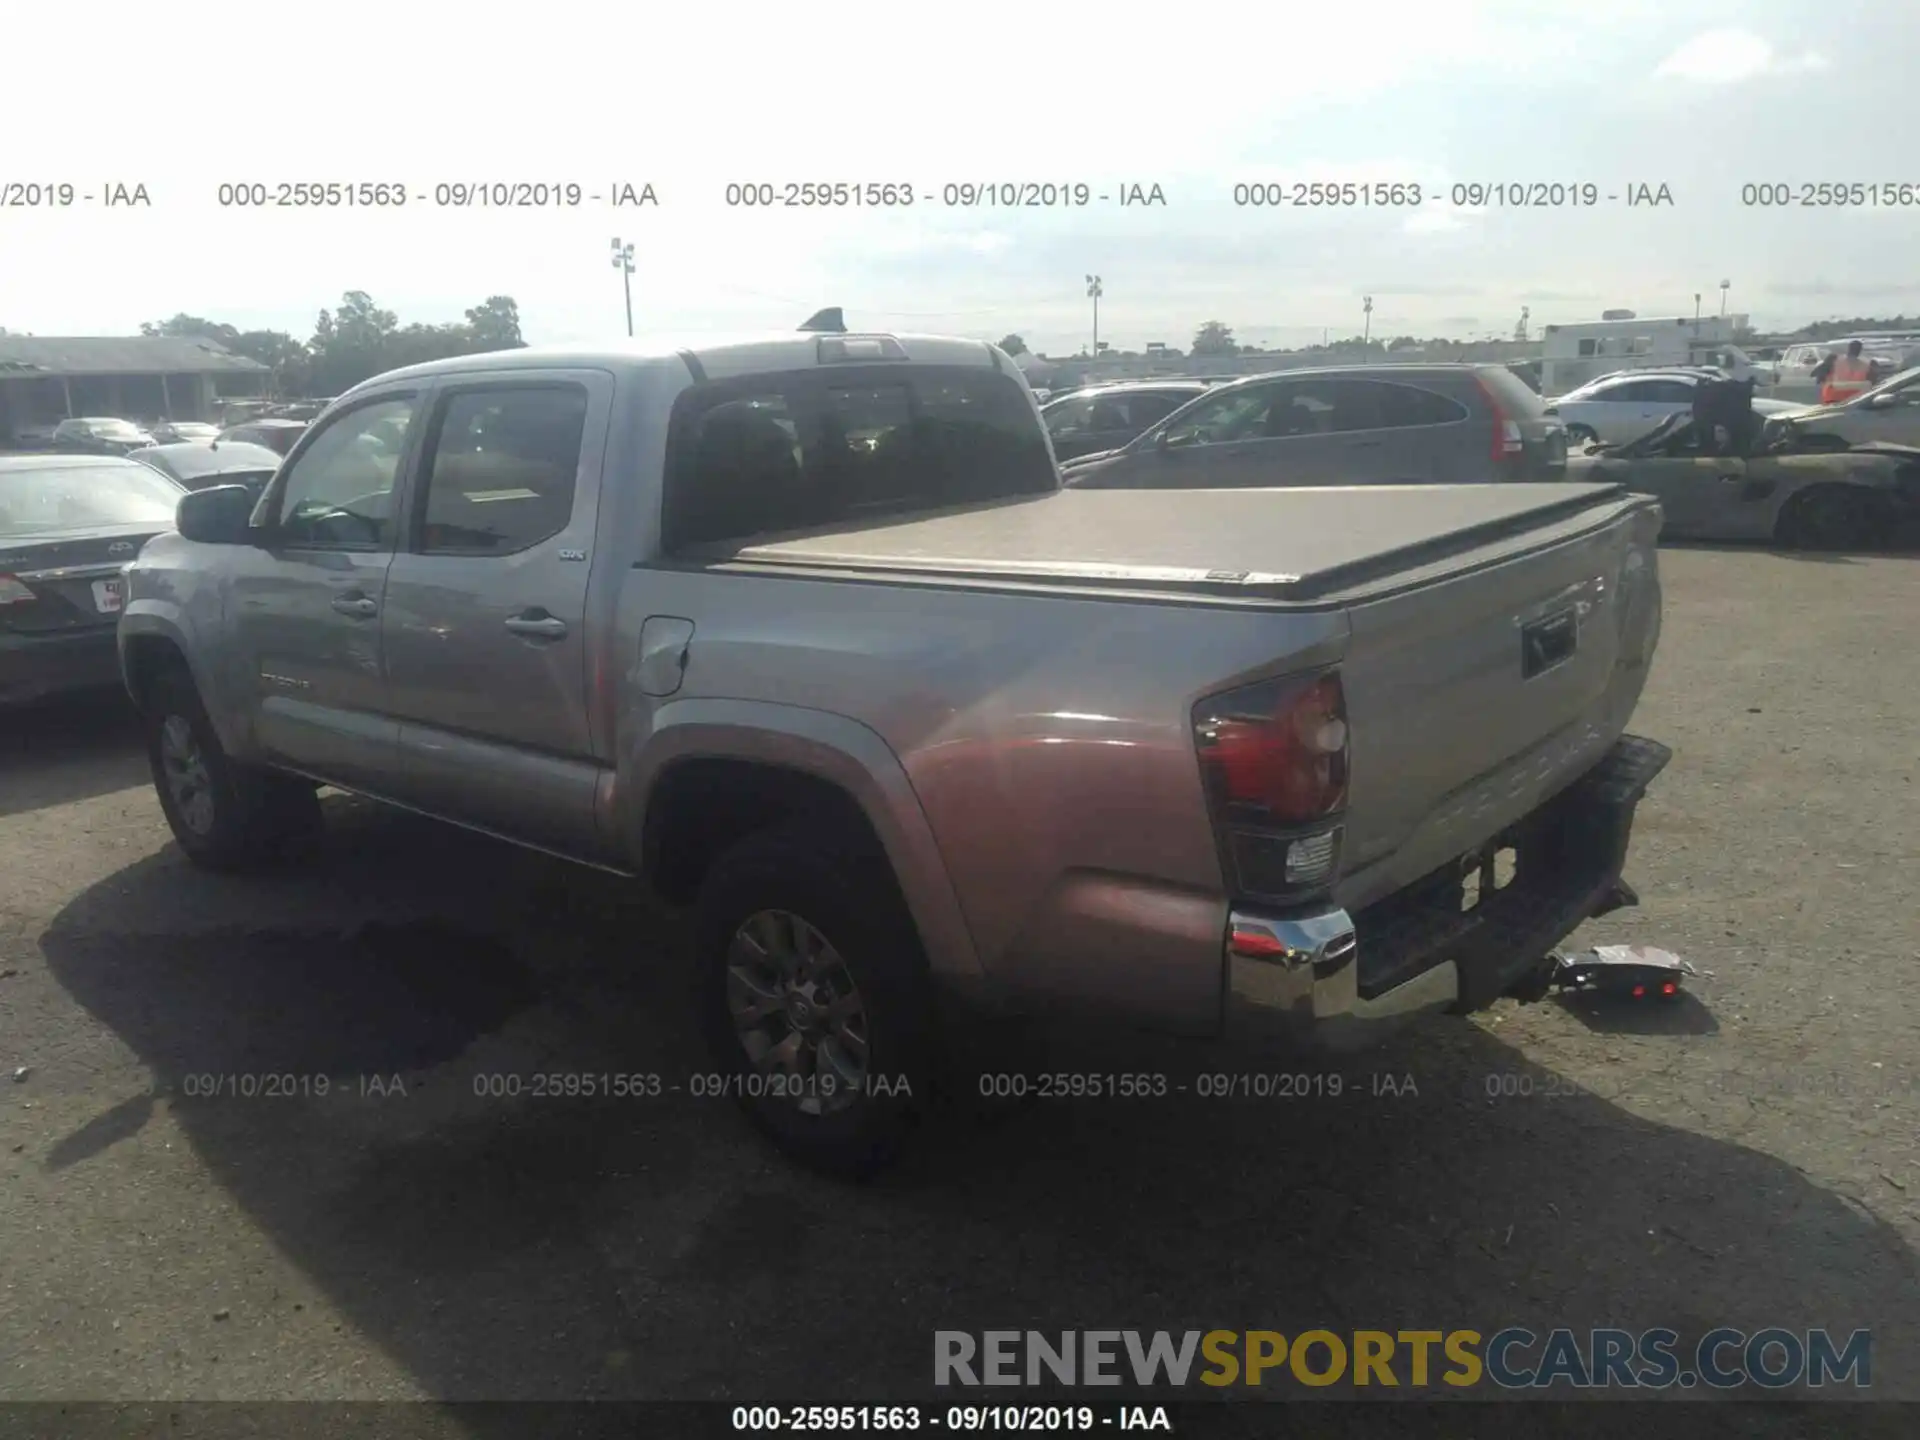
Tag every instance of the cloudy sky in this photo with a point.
(1703, 98)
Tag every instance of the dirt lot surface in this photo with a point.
(1747, 1157)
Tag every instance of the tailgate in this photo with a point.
(1477, 696)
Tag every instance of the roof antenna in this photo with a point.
(826, 322)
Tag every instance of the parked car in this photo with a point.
(1626, 405)
(97, 435)
(1889, 412)
(279, 436)
(197, 466)
(68, 524)
(805, 632)
(1789, 487)
(176, 432)
(1105, 417)
(1346, 425)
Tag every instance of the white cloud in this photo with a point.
(1725, 57)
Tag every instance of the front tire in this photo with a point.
(814, 996)
(224, 815)
(1580, 436)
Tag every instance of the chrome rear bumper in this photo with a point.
(1298, 980)
(1327, 980)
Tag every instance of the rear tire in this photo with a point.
(814, 996)
(1580, 436)
(1828, 517)
(224, 815)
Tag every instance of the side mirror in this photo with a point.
(216, 516)
(1883, 402)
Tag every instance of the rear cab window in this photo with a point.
(811, 449)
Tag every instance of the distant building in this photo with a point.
(44, 380)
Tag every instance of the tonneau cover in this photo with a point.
(1289, 544)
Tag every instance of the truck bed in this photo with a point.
(1292, 545)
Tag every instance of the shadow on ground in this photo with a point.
(521, 1248)
(73, 748)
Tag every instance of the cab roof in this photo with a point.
(709, 356)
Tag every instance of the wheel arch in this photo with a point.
(712, 771)
(150, 641)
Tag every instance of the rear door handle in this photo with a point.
(1364, 445)
(539, 627)
(358, 606)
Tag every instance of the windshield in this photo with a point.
(84, 497)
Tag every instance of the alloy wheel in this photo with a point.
(797, 1013)
(189, 783)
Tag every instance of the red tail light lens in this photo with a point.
(1276, 754)
(1507, 439)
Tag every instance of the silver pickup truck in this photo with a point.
(804, 631)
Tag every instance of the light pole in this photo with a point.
(1366, 309)
(623, 262)
(1094, 292)
(1724, 284)
(1696, 312)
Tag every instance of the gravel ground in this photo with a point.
(1746, 1157)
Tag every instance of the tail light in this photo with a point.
(1506, 430)
(1275, 759)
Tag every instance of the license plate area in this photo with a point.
(1548, 642)
(109, 596)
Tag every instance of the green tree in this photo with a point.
(1214, 338)
(352, 343)
(495, 325)
(1013, 345)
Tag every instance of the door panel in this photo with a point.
(485, 624)
(305, 604)
(1690, 489)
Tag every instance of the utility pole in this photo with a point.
(623, 262)
(1696, 312)
(1723, 298)
(1094, 292)
(1366, 308)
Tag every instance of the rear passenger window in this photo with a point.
(1409, 405)
(800, 453)
(501, 468)
(1147, 409)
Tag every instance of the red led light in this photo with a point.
(1638, 991)
(1670, 988)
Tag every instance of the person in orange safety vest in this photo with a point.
(1842, 377)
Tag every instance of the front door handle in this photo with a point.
(358, 606)
(539, 627)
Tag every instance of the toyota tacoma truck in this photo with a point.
(804, 631)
